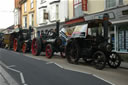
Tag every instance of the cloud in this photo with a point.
(6, 13)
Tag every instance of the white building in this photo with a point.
(49, 11)
(16, 17)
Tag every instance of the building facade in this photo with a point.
(17, 14)
(49, 11)
(79, 8)
(118, 12)
(28, 13)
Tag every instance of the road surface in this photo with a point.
(29, 71)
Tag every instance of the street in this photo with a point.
(56, 71)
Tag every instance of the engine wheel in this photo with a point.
(24, 47)
(49, 51)
(36, 47)
(72, 53)
(114, 60)
(16, 45)
(99, 60)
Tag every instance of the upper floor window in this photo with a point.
(43, 1)
(32, 3)
(25, 7)
(113, 3)
(77, 5)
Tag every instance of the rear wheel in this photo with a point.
(16, 45)
(49, 51)
(114, 60)
(99, 60)
(36, 46)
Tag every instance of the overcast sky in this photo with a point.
(6, 13)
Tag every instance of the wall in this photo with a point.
(95, 6)
(28, 12)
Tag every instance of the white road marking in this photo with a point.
(59, 65)
(49, 62)
(103, 79)
(12, 66)
(17, 71)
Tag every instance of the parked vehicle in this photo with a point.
(7, 40)
(22, 40)
(1, 39)
(49, 42)
(89, 41)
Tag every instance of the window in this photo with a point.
(32, 19)
(43, 1)
(25, 7)
(77, 8)
(110, 3)
(123, 38)
(25, 21)
(32, 3)
(120, 2)
(113, 3)
(44, 11)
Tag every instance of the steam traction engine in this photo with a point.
(90, 42)
(49, 42)
(22, 40)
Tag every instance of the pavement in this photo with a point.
(124, 65)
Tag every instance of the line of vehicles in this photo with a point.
(87, 40)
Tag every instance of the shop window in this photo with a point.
(123, 38)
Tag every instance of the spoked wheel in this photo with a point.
(24, 47)
(99, 60)
(49, 51)
(114, 60)
(72, 53)
(16, 45)
(36, 47)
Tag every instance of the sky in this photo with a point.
(6, 13)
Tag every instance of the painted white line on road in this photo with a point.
(12, 66)
(17, 71)
(59, 65)
(103, 79)
(49, 62)
(77, 71)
